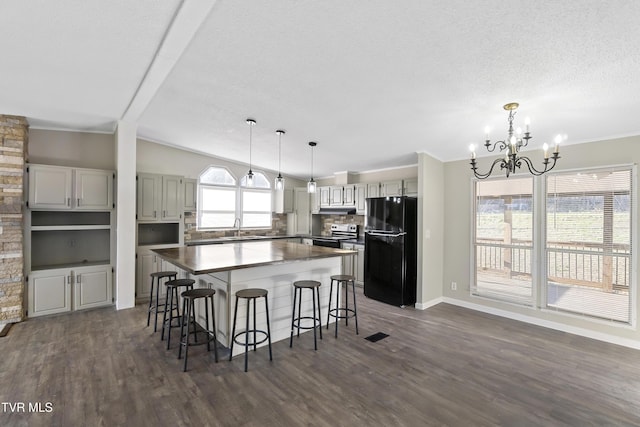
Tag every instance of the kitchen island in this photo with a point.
(272, 265)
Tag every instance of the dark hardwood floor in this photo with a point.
(443, 366)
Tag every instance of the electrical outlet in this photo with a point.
(454, 286)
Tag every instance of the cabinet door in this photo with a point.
(349, 195)
(190, 194)
(360, 198)
(335, 196)
(391, 188)
(49, 292)
(347, 261)
(315, 202)
(410, 187)
(172, 204)
(373, 190)
(50, 187)
(302, 211)
(149, 194)
(287, 200)
(93, 189)
(92, 287)
(325, 196)
(359, 263)
(146, 263)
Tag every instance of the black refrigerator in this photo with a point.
(390, 251)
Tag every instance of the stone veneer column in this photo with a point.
(14, 135)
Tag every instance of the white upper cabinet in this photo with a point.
(93, 189)
(159, 197)
(410, 187)
(348, 195)
(172, 205)
(50, 187)
(190, 194)
(335, 196)
(325, 196)
(373, 190)
(360, 198)
(391, 188)
(149, 195)
(63, 188)
(287, 200)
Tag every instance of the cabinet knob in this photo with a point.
(79, 278)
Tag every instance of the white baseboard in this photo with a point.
(626, 342)
(425, 305)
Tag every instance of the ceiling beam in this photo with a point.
(188, 18)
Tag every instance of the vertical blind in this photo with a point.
(588, 243)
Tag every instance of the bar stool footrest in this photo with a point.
(349, 313)
(251, 331)
(296, 322)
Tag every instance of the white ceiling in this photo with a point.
(373, 81)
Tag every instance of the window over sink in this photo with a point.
(223, 200)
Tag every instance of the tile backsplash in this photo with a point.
(321, 224)
(278, 228)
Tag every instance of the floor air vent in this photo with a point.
(376, 337)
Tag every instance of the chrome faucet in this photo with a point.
(236, 225)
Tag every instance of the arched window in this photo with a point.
(225, 203)
(217, 191)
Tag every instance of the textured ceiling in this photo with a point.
(372, 81)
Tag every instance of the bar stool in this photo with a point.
(250, 295)
(156, 277)
(348, 312)
(298, 286)
(171, 305)
(188, 317)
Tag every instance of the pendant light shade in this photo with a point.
(279, 181)
(251, 123)
(311, 185)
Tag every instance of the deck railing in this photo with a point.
(576, 263)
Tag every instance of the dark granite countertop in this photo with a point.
(203, 259)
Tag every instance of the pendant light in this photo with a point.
(251, 123)
(311, 185)
(279, 182)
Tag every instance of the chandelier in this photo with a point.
(514, 142)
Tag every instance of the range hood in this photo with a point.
(338, 211)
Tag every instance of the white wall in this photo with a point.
(457, 245)
(73, 149)
(430, 230)
(390, 174)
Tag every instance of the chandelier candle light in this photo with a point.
(251, 124)
(279, 182)
(311, 185)
(514, 142)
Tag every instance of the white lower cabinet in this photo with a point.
(146, 263)
(92, 287)
(49, 292)
(65, 289)
(354, 264)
